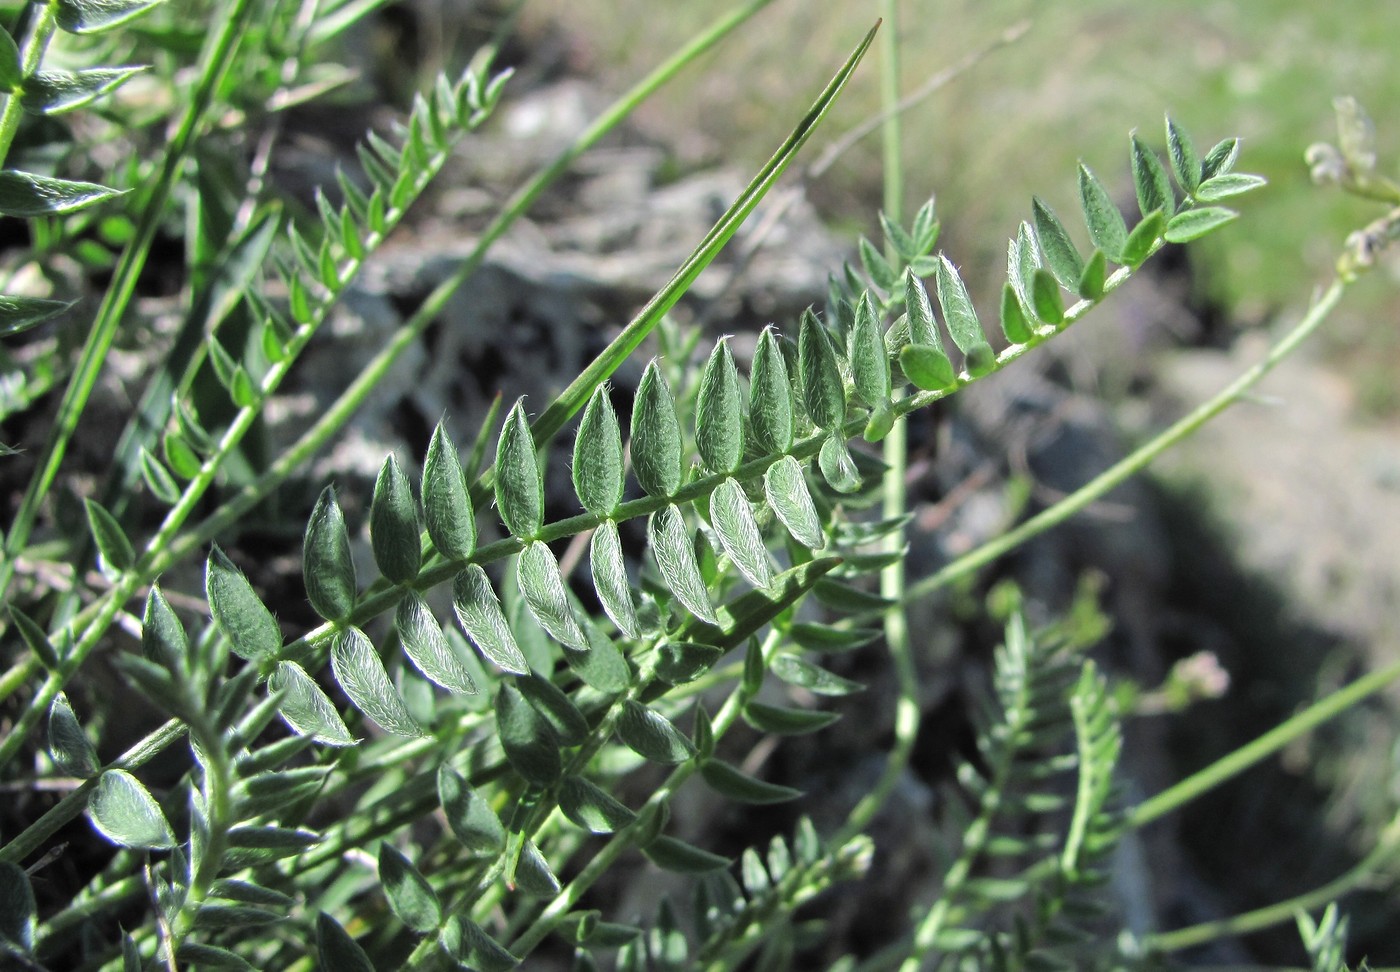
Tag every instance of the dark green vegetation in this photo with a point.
(506, 702)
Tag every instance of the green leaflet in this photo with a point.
(682, 662)
(360, 673)
(602, 666)
(958, 312)
(1107, 231)
(1061, 257)
(651, 735)
(252, 630)
(1143, 237)
(408, 892)
(782, 721)
(519, 489)
(876, 267)
(719, 412)
(447, 508)
(35, 637)
(671, 854)
(112, 544)
(1022, 259)
(1224, 186)
(927, 367)
(733, 521)
(479, 612)
(728, 781)
(537, 573)
(1045, 297)
(326, 566)
(610, 580)
(1186, 164)
(825, 638)
(1091, 281)
(786, 489)
(598, 467)
(530, 742)
(94, 16)
(305, 707)
(656, 435)
(27, 195)
(54, 92)
(675, 556)
(1195, 223)
(533, 875)
(69, 745)
(19, 314)
(469, 816)
(770, 397)
(823, 393)
(427, 647)
(1154, 192)
(393, 525)
(11, 74)
(163, 637)
(923, 329)
(870, 361)
(837, 466)
(592, 808)
(125, 813)
(335, 949)
(1220, 159)
(1013, 316)
(556, 707)
(470, 947)
(814, 678)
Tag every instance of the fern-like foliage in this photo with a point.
(753, 499)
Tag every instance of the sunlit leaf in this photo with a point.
(479, 612)
(252, 630)
(537, 573)
(447, 508)
(26, 195)
(427, 647)
(1154, 191)
(719, 413)
(306, 708)
(675, 556)
(360, 673)
(125, 813)
(786, 489)
(1185, 163)
(69, 746)
(326, 565)
(734, 524)
(609, 570)
(1107, 231)
(656, 435)
(598, 466)
(770, 397)
(1195, 223)
(54, 92)
(823, 392)
(519, 489)
(393, 525)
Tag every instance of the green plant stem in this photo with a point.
(1271, 742)
(43, 22)
(624, 839)
(1274, 914)
(1135, 462)
(895, 448)
(217, 57)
